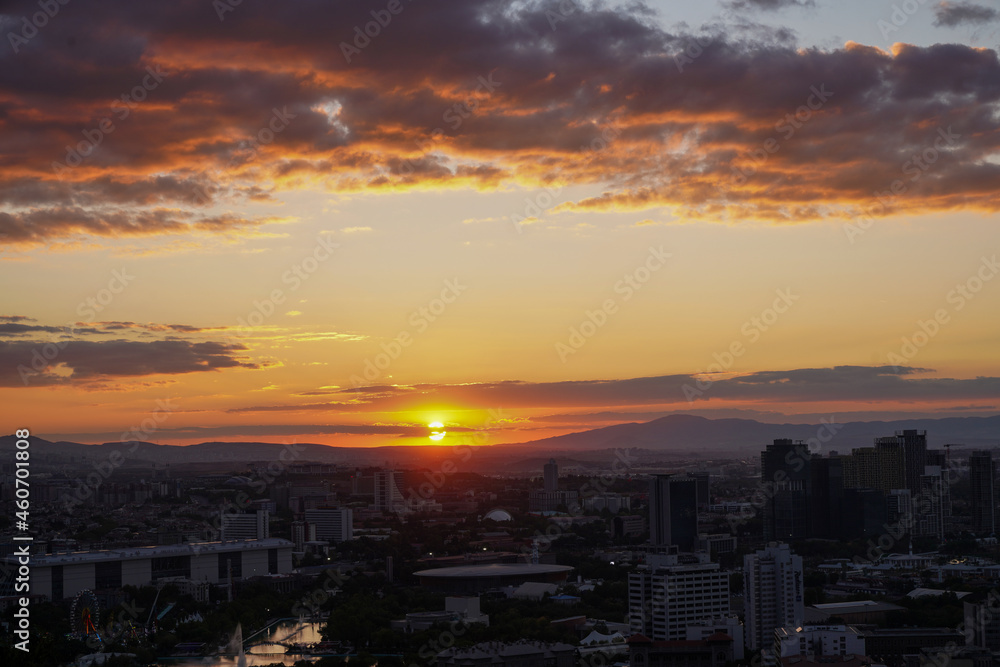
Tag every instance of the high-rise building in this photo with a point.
(902, 458)
(891, 465)
(899, 508)
(827, 497)
(932, 503)
(863, 513)
(388, 497)
(251, 525)
(914, 456)
(982, 477)
(772, 584)
(331, 523)
(666, 597)
(786, 475)
(551, 474)
(704, 490)
(673, 511)
(937, 457)
(302, 532)
(861, 469)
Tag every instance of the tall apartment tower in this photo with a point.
(934, 503)
(387, 495)
(302, 532)
(665, 597)
(704, 490)
(902, 459)
(551, 474)
(785, 471)
(673, 511)
(891, 462)
(982, 477)
(915, 456)
(772, 584)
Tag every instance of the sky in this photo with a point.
(341, 224)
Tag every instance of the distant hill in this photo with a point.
(687, 433)
(674, 435)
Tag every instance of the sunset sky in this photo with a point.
(254, 221)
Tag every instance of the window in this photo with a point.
(57, 582)
(170, 566)
(108, 575)
(233, 559)
(272, 561)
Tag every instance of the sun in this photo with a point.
(437, 435)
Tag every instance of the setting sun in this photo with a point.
(437, 435)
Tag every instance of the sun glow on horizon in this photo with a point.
(438, 434)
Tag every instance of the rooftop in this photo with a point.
(493, 570)
(856, 606)
(136, 553)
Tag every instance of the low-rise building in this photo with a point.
(818, 640)
(62, 576)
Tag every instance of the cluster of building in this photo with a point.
(681, 609)
(896, 483)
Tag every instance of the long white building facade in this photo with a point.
(61, 576)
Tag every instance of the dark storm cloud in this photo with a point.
(72, 356)
(951, 14)
(86, 361)
(472, 94)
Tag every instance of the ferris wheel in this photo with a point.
(85, 614)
